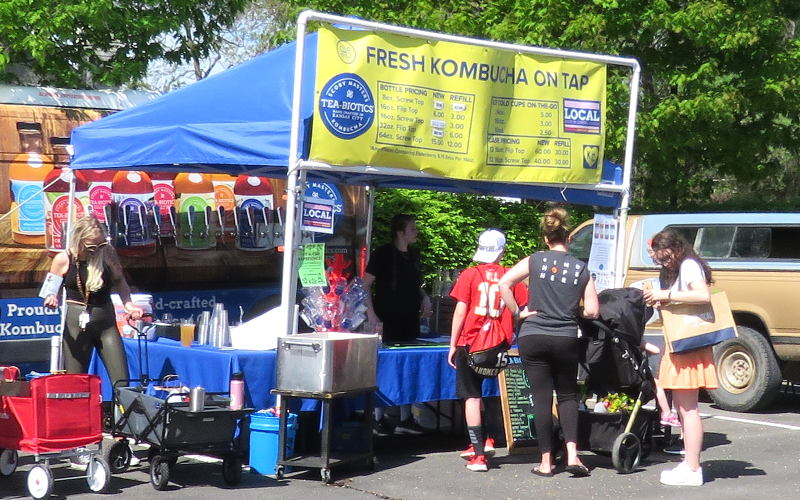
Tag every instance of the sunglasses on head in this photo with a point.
(93, 248)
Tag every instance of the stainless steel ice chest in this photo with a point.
(326, 362)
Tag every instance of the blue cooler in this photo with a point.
(264, 441)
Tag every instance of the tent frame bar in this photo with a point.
(295, 183)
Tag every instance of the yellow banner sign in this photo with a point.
(455, 110)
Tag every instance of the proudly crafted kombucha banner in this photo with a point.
(456, 110)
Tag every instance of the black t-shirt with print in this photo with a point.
(557, 282)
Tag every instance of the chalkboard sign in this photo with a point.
(515, 396)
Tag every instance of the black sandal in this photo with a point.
(535, 471)
(578, 470)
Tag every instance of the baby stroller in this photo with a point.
(613, 362)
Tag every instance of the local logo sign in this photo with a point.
(581, 117)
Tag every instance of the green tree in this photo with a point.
(720, 96)
(96, 43)
(247, 36)
(449, 225)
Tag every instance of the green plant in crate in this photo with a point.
(617, 402)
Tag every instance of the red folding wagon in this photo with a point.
(51, 416)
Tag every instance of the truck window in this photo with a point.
(783, 244)
(581, 243)
(729, 242)
(714, 242)
(752, 243)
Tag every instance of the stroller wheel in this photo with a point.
(626, 452)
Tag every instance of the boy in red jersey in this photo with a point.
(478, 299)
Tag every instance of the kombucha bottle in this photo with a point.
(164, 200)
(57, 207)
(225, 203)
(100, 195)
(26, 174)
(132, 194)
(194, 204)
(254, 203)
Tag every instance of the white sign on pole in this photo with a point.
(604, 244)
(318, 215)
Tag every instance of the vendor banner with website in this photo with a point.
(457, 110)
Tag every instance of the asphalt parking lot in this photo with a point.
(746, 456)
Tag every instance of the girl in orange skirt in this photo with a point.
(684, 277)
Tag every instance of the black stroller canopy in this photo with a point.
(613, 357)
(623, 312)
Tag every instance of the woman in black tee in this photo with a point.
(548, 336)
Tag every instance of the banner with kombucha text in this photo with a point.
(457, 110)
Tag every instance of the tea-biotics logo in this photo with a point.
(581, 117)
(346, 106)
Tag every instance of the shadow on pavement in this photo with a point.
(729, 469)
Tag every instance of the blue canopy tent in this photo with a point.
(239, 121)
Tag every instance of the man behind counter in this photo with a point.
(397, 300)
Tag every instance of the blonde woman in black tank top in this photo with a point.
(91, 270)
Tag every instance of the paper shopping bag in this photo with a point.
(692, 326)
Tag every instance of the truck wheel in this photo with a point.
(748, 372)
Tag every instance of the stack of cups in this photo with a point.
(220, 333)
(204, 328)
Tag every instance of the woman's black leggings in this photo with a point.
(552, 362)
(101, 333)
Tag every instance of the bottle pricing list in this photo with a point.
(524, 133)
(424, 118)
(521, 132)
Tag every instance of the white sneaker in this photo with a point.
(682, 475)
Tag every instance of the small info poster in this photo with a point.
(604, 250)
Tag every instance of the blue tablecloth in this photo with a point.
(405, 375)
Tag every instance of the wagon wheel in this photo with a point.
(279, 472)
(118, 456)
(231, 470)
(159, 472)
(8, 462)
(98, 475)
(40, 482)
(626, 452)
